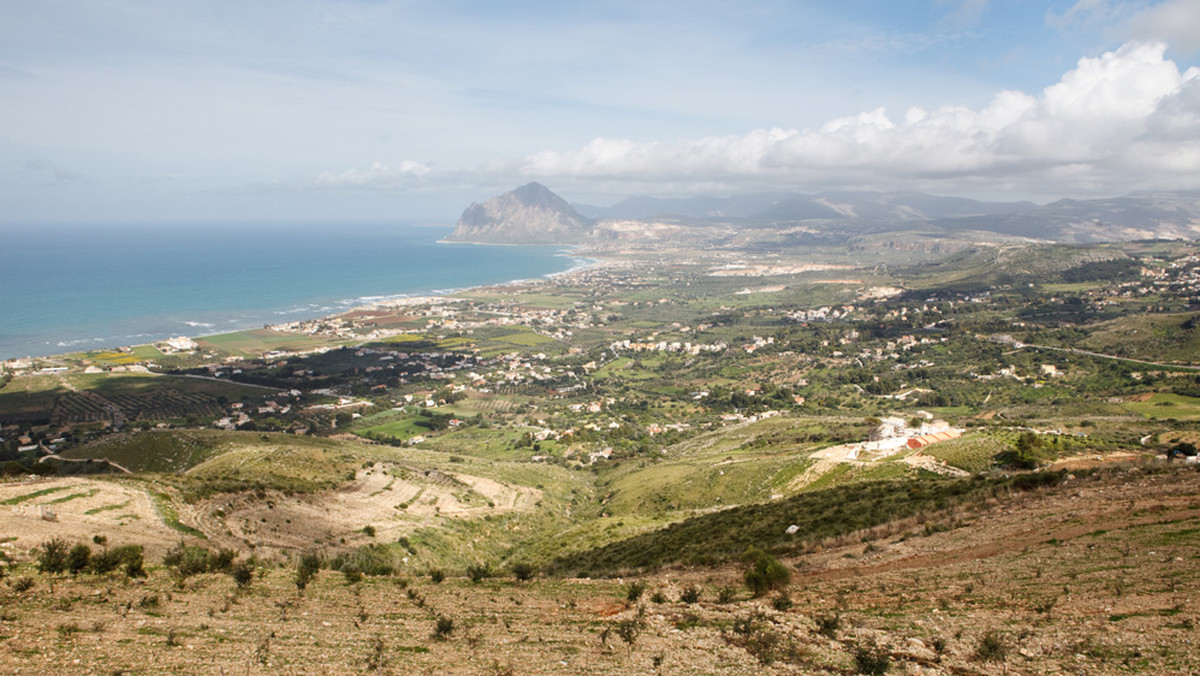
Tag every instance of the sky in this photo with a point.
(409, 110)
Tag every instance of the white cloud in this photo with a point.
(1126, 119)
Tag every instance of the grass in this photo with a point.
(107, 508)
(525, 338)
(1157, 338)
(170, 515)
(74, 496)
(258, 341)
(401, 430)
(155, 450)
(31, 496)
(973, 453)
(1162, 406)
(725, 535)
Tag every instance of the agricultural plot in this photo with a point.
(972, 453)
(256, 342)
(1161, 406)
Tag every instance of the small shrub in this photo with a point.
(760, 639)
(690, 594)
(523, 571)
(130, 559)
(242, 573)
(369, 531)
(726, 594)
(66, 630)
(444, 628)
(352, 573)
(22, 584)
(765, 573)
(306, 569)
(78, 558)
(478, 572)
(222, 561)
(658, 597)
(629, 630)
(827, 625)
(377, 658)
(188, 560)
(782, 603)
(871, 659)
(634, 591)
(52, 556)
(437, 575)
(991, 648)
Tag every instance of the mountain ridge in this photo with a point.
(533, 214)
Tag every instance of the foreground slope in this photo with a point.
(1097, 575)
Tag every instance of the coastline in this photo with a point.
(583, 263)
(578, 263)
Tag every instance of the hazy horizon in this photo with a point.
(137, 111)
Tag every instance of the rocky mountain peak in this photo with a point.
(531, 214)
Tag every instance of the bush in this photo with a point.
(726, 594)
(782, 603)
(78, 558)
(690, 594)
(765, 573)
(443, 628)
(128, 557)
(479, 571)
(52, 556)
(827, 625)
(870, 658)
(991, 648)
(352, 573)
(374, 559)
(306, 568)
(188, 560)
(437, 575)
(243, 574)
(222, 561)
(523, 571)
(634, 591)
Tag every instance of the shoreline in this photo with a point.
(584, 263)
(578, 264)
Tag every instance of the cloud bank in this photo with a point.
(1126, 119)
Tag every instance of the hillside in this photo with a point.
(1094, 576)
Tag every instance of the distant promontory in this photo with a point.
(531, 214)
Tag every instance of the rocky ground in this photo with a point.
(1097, 576)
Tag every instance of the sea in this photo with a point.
(71, 288)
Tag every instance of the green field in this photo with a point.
(1163, 406)
(256, 342)
(401, 430)
(973, 452)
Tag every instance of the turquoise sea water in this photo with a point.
(71, 288)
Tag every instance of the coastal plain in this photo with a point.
(957, 454)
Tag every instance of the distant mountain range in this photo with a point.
(534, 214)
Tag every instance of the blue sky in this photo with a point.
(142, 110)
